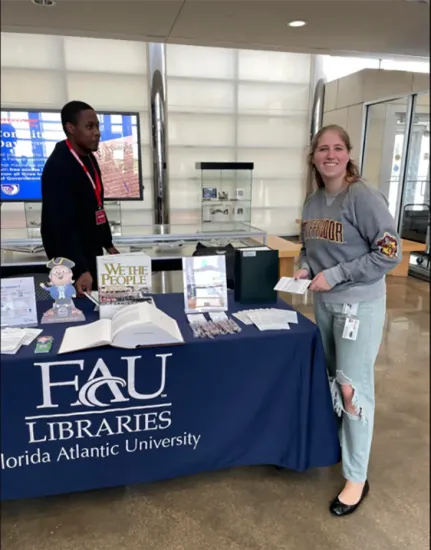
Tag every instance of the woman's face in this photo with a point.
(331, 156)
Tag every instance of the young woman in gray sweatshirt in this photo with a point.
(349, 244)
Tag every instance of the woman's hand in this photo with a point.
(301, 274)
(112, 250)
(319, 283)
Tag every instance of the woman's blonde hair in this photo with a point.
(314, 179)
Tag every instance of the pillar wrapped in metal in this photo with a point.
(316, 123)
(317, 109)
(157, 85)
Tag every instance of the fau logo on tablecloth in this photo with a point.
(75, 404)
(86, 412)
(122, 389)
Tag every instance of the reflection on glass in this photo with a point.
(384, 146)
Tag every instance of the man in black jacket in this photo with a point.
(74, 222)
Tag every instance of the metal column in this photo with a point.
(317, 108)
(316, 122)
(157, 86)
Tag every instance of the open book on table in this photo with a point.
(137, 325)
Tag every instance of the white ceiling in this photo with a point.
(338, 27)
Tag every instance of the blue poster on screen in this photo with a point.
(29, 137)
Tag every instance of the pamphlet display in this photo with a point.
(18, 302)
(61, 290)
(123, 279)
(138, 325)
(205, 284)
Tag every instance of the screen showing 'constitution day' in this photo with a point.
(29, 137)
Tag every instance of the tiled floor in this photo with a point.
(259, 508)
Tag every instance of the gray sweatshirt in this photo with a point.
(351, 238)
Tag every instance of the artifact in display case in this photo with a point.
(226, 191)
(209, 193)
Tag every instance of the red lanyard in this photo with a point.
(98, 186)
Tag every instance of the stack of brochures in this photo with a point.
(268, 318)
(13, 338)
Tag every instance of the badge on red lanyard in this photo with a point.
(100, 212)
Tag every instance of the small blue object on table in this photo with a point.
(110, 417)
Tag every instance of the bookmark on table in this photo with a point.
(44, 344)
(91, 298)
(95, 302)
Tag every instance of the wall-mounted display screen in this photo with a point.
(29, 137)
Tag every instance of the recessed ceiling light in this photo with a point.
(298, 23)
(44, 3)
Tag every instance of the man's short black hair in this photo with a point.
(71, 111)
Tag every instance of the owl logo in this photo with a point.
(10, 189)
(388, 245)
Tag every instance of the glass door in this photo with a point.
(385, 139)
(415, 213)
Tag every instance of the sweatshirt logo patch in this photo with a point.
(388, 245)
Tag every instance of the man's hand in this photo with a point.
(319, 283)
(112, 250)
(301, 274)
(84, 283)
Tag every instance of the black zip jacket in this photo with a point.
(69, 208)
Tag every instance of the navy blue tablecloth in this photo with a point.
(108, 417)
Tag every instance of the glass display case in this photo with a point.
(33, 213)
(161, 242)
(226, 191)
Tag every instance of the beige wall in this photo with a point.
(345, 98)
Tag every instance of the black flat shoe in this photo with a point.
(338, 508)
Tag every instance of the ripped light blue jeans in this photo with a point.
(351, 362)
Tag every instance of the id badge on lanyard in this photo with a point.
(100, 212)
(100, 216)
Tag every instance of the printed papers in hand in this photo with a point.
(294, 286)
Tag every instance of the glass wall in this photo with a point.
(45, 72)
(239, 105)
(223, 105)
